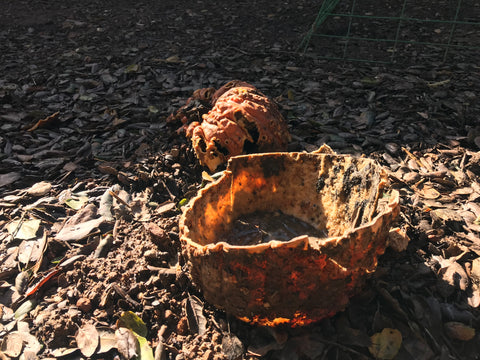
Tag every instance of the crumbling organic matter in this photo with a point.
(241, 120)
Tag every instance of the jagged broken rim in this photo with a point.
(255, 282)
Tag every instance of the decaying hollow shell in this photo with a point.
(305, 279)
(242, 121)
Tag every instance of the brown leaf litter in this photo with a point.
(89, 202)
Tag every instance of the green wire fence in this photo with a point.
(395, 30)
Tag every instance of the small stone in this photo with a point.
(158, 235)
(84, 304)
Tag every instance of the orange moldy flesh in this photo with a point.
(287, 238)
(242, 120)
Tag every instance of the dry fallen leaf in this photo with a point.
(447, 215)
(43, 122)
(106, 202)
(459, 331)
(29, 251)
(165, 207)
(107, 341)
(232, 347)
(21, 283)
(146, 352)
(386, 344)
(132, 68)
(140, 210)
(24, 230)
(76, 202)
(428, 192)
(87, 339)
(196, 320)
(78, 231)
(39, 189)
(453, 274)
(26, 307)
(131, 321)
(63, 352)
(207, 177)
(474, 296)
(9, 178)
(12, 345)
(31, 343)
(107, 169)
(475, 269)
(127, 343)
(398, 239)
(174, 59)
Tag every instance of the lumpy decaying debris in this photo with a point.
(236, 119)
(260, 227)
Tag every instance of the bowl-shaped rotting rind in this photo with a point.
(306, 278)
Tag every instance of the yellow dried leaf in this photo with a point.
(385, 345)
(290, 95)
(131, 321)
(174, 59)
(76, 202)
(146, 352)
(27, 230)
(132, 68)
(153, 109)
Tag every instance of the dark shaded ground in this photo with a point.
(423, 35)
(114, 71)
